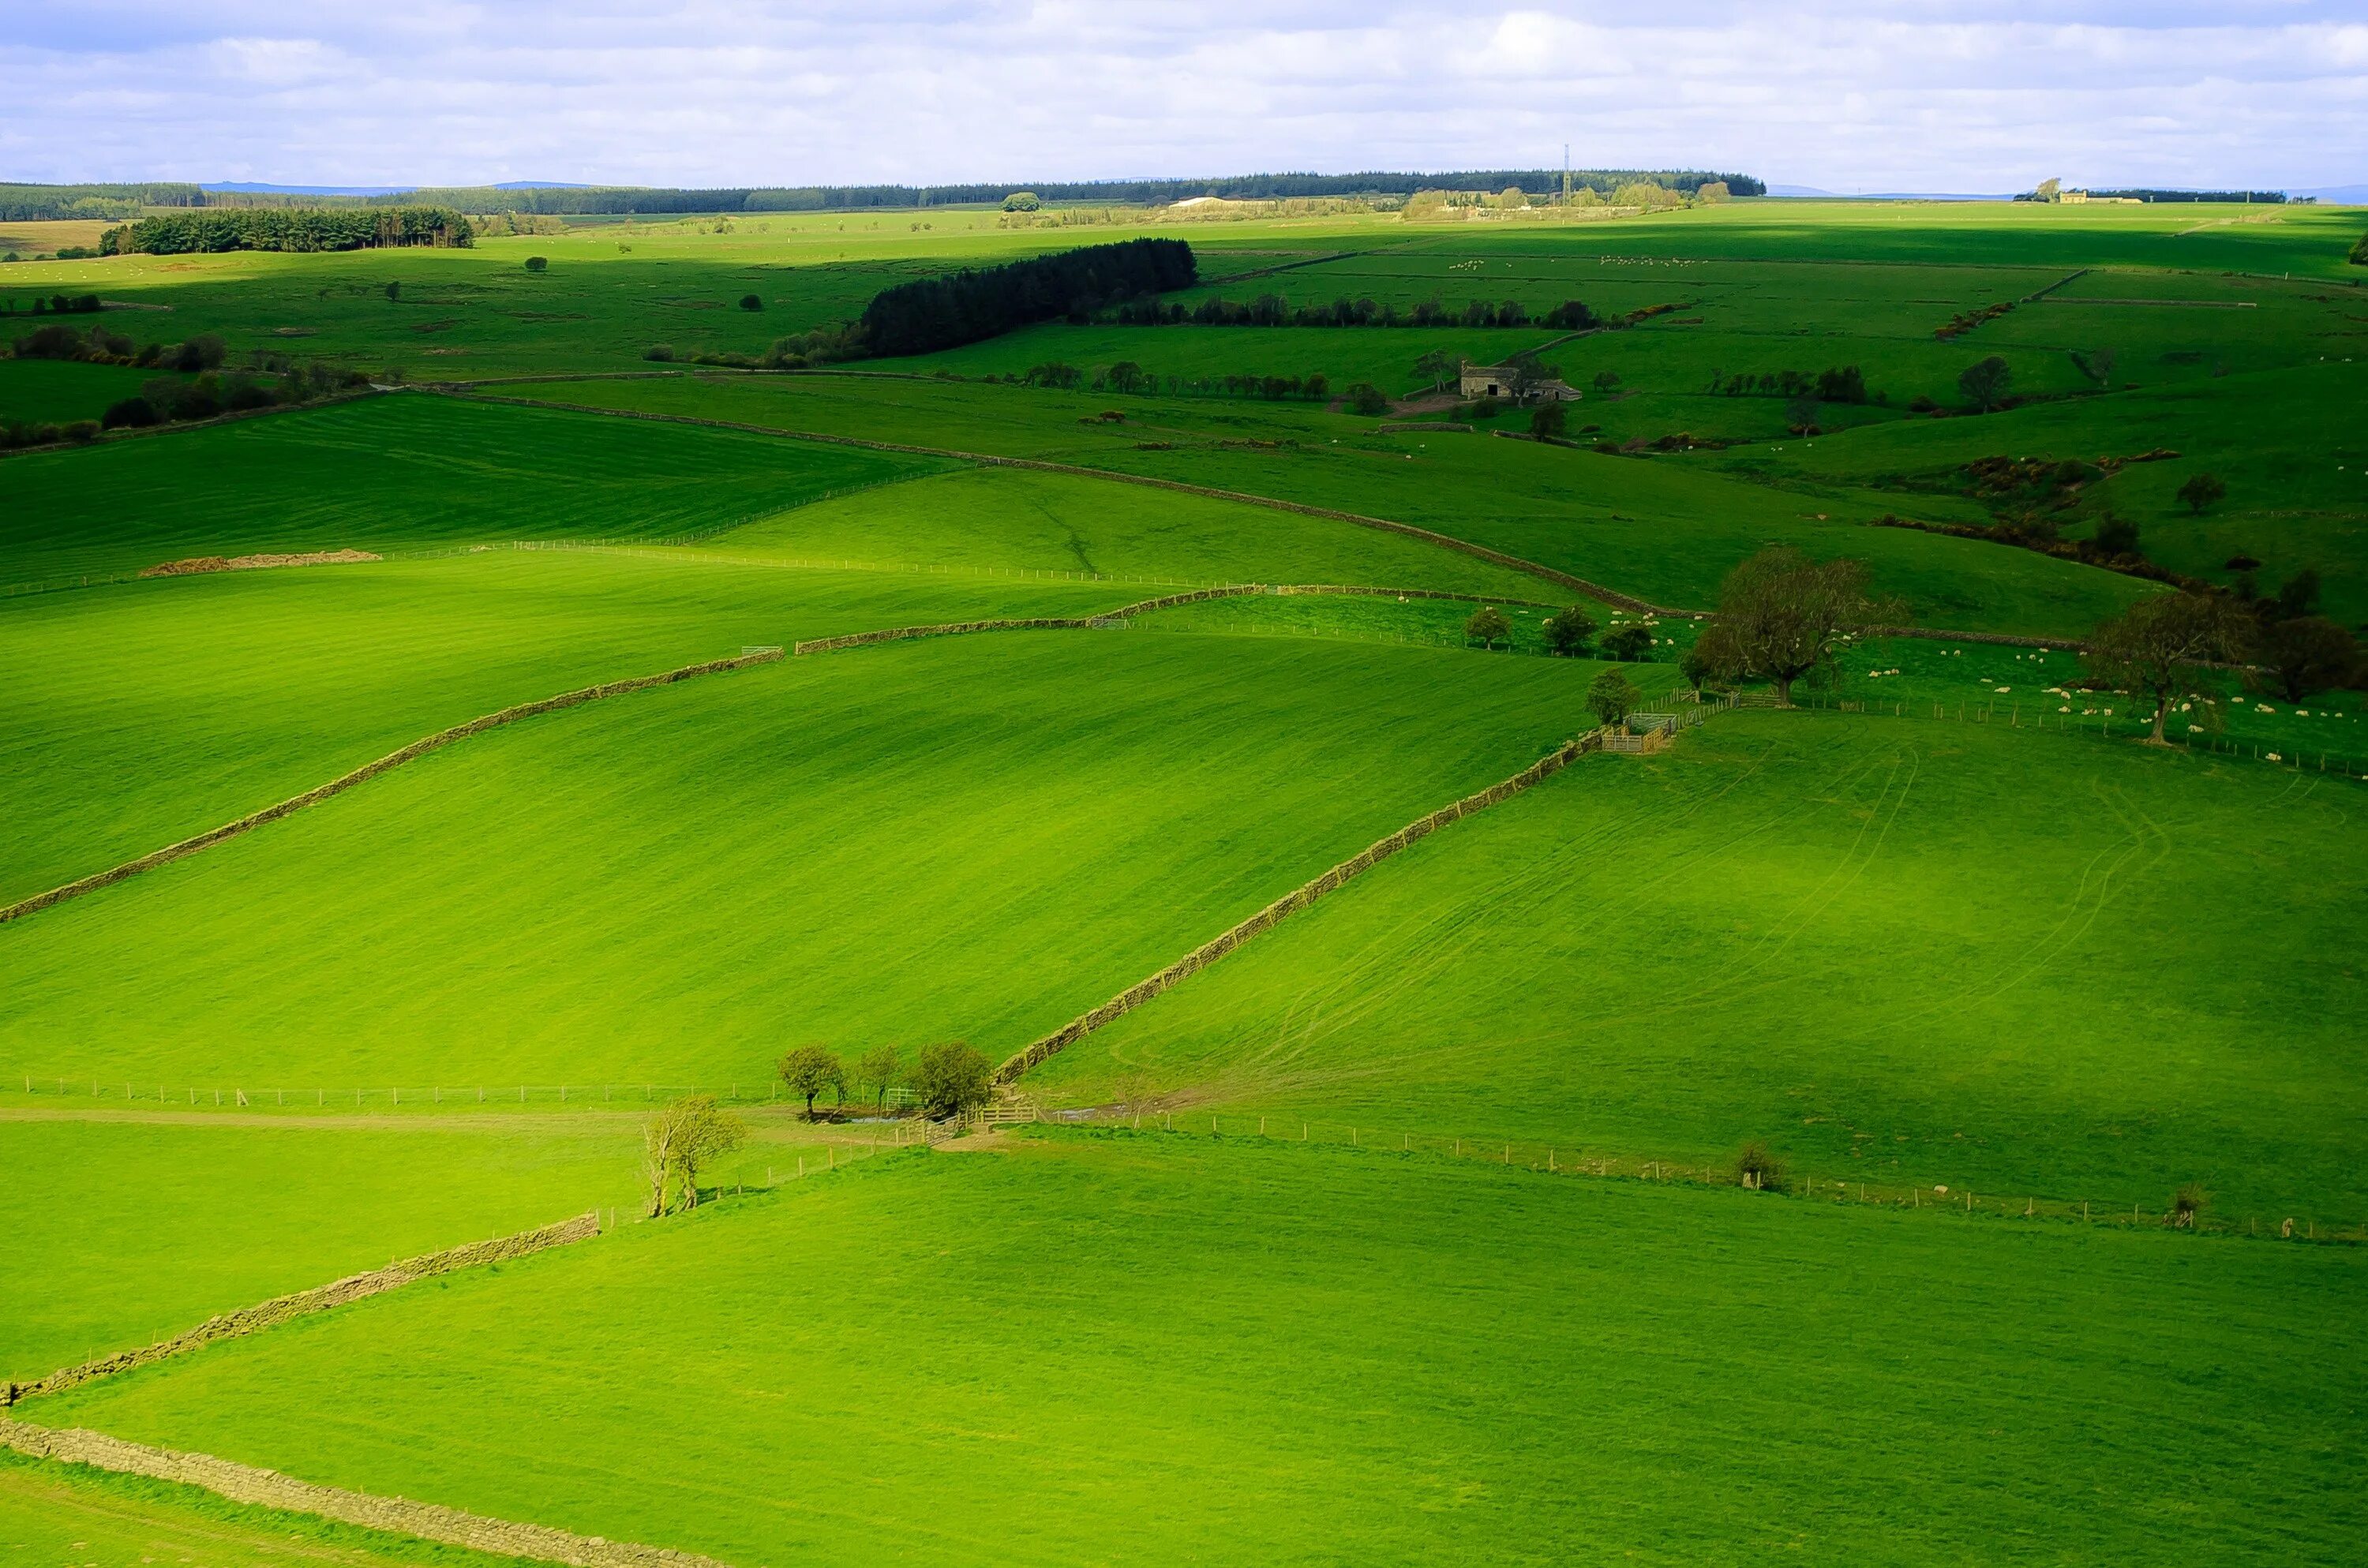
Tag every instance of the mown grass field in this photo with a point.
(970, 837)
(1898, 952)
(147, 1225)
(145, 712)
(401, 472)
(1138, 1348)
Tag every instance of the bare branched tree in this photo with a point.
(687, 1135)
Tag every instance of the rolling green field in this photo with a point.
(403, 474)
(1076, 1347)
(145, 712)
(1990, 981)
(971, 837)
(1804, 930)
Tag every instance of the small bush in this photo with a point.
(2187, 1205)
(81, 430)
(2359, 252)
(751, 303)
(1367, 399)
(1758, 1169)
(1487, 626)
(2116, 536)
(661, 352)
(533, 264)
(1548, 421)
(131, 413)
(2202, 490)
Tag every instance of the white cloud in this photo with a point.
(1940, 95)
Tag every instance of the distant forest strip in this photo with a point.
(970, 306)
(34, 203)
(290, 229)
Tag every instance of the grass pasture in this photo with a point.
(1139, 1348)
(58, 391)
(970, 837)
(402, 472)
(1810, 929)
(148, 711)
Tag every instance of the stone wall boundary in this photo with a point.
(1290, 903)
(319, 1299)
(269, 1489)
(370, 770)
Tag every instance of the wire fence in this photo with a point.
(1562, 1160)
(2100, 726)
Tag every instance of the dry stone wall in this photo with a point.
(321, 1297)
(368, 771)
(1291, 903)
(269, 1489)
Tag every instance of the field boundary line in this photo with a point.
(988, 459)
(1290, 903)
(175, 427)
(319, 1299)
(370, 770)
(270, 1489)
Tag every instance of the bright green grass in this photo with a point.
(1436, 623)
(998, 518)
(1145, 1348)
(55, 1514)
(1665, 530)
(402, 472)
(2287, 444)
(1384, 358)
(144, 712)
(139, 1229)
(1896, 951)
(58, 390)
(973, 837)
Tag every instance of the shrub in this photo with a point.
(952, 1078)
(1367, 399)
(1920, 403)
(1549, 420)
(2116, 536)
(1629, 644)
(1021, 201)
(751, 303)
(130, 413)
(537, 263)
(51, 342)
(2187, 1204)
(1758, 1169)
(661, 352)
(81, 430)
(1568, 630)
(2359, 252)
(394, 290)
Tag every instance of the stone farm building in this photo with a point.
(1496, 381)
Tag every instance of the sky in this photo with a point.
(1986, 95)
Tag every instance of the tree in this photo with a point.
(2202, 490)
(1612, 699)
(2298, 594)
(1779, 615)
(394, 290)
(1436, 367)
(1549, 420)
(1628, 643)
(1487, 626)
(2100, 365)
(952, 1078)
(1568, 630)
(1801, 414)
(2301, 655)
(1367, 399)
(1606, 380)
(810, 1069)
(877, 1069)
(1022, 201)
(752, 302)
(2359, 251)
(1985, 383)
(2154, 645)
(2049, 190)
(685, 1136)
(2115, 536)
(1695, 668)
(537, 263)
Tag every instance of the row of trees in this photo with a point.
(947, 1079)
(289, 229)
(970, 306)
(1841, 383)
(201, 351)
(1274, 310)
(1127, 376)
(54, 304)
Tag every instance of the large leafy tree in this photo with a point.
(1782, 615)
(2155, 646)
(2303, 653)
(810, 1069)
(1985, 383)
(952, 1078)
